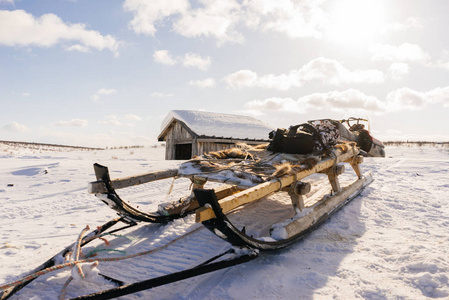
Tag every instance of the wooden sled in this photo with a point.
(213, 205)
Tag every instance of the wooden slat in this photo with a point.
(266, 188)
(190, 204)
(227, 181)
(99, 187)
(355, 163)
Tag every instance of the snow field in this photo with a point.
(389, 243)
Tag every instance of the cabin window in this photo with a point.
(183, 151)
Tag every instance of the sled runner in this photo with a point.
(262, 198)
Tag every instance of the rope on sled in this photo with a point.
(77, 267)
(91, 260)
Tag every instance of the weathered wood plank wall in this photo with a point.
(206, 147)
(177, 135)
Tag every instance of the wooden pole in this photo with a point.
(99, 187)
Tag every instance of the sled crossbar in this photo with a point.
(257, 192)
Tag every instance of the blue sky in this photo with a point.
(106, 73)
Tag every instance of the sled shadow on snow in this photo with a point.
(300, 271)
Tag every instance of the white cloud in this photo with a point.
(321, 69)
(189, 60)
(333, 72)
(14, 127)
(72, 123)
(438, 95)
(281, 82)
(164, 57)
(132, 117)
(349, 100)
(26, 94)
(111, 120)
(276, 104)
(293, 18)
(242, 78)
(401, 53)
(161, 95)
(19, 28)
(406, 98)
(128, 120)
(103, 92)
(220, 19)
(147, 13)
(443, 63)
(398, 70)
(79, 48)
(195, 60)
(107, 91)
(215, 18)
(205, 83)
(212, 18)
(411, 22)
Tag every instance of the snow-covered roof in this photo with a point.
(218, 125)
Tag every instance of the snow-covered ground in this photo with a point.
(389, 243)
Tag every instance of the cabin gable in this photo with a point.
(179, 141)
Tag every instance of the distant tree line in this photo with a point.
(125, 147)
(40, 145)
(415, 143)
(135, 147)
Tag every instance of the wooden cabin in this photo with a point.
(190, 133)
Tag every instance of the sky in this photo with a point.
(106, 73)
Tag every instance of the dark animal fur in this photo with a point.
(288, 168)
(235, 153)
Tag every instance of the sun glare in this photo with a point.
(356, 21)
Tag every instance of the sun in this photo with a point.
(357, 21)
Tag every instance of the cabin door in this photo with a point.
(183, 151)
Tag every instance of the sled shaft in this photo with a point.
(99, 187)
